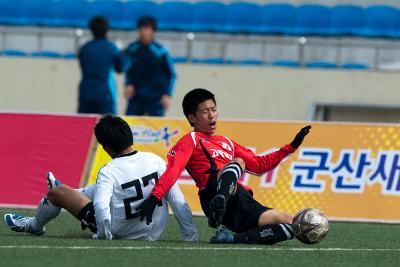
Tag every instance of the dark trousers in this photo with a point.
(97, 107)
(137, 107)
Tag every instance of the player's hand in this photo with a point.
(298, 139)
(146, 209)
(129, 91)
(166, 101)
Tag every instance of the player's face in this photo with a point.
(205, 120)
(146, 34)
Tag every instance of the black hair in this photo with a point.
(193, 98)
(147, 21)
(99, 27)
(114, 133)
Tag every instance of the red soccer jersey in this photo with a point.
(202, 155)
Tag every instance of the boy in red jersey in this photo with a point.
(216, 163)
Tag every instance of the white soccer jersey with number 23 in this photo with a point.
(122, 185)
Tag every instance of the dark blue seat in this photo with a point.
(49, 54)
(13, 53)
(355, 66)
(312, 20)
(380, 21)
(346, 19)
(320, 65)
(112, 10)
(208, 17)
(71, 13)
(10, 12)
(242, 17)
(278, 18)
(25, 13)
(286, 63)
(175, 16)
(47, 15)
(133, 10)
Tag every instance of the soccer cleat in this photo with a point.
(217, 208)
(19, 223)
(52, 180)
(222, 236)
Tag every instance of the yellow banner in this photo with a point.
(351, 172)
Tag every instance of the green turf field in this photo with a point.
(64, 244)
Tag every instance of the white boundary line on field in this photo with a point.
(195, 248)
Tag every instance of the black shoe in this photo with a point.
(217, 209)
(223, 236)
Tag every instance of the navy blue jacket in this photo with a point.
(150, 71)
(99, 59)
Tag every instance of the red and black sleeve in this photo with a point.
(261, 164)
(177, 158)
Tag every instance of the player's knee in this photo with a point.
(56, 193)
(240, 161)
(236, 166)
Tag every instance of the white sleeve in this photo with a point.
(182, 213)
(162, 167)
(101, 203)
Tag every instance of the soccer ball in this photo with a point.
(310, 226)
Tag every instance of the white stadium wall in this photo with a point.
(47, 85)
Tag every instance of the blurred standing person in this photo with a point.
(99, 60)
(151, 76)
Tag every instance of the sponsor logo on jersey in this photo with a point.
(147, 135)
(226, 146)
(220, 153)
(171, 153)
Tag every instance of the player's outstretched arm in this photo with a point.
(262, 164)
(183, 214)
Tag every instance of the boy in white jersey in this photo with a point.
(108, 207)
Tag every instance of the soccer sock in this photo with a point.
(57, 182)
(268, 235)
(228, 180)
(45, 212)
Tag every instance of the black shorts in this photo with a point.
(87, 218)
(242, 210)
